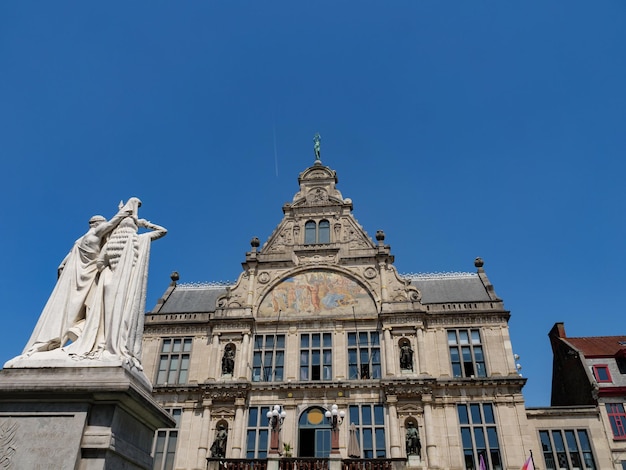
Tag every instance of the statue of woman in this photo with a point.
(64, 314)
(115, 321)
(218, 448)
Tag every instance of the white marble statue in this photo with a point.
(96, 311)
(115, 322)
(63, 317)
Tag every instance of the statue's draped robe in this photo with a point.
(65, 308)
(115, 320)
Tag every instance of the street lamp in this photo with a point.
(275, 417)
(335, 418)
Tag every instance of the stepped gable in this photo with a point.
(318, 261)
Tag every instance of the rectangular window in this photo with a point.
(479, 436)
(316, 356)
(621, 364)
(364, 355)
(164, 446)
(257, 436)
(566, 449)
(268, 361)
(601, 373)
(466, 353)
(174, 361)
(617, 418)
(369, 421)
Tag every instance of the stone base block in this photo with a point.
(82, 418)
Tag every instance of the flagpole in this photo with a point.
(532, 459)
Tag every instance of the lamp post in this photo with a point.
(275, 416)
(335, 418)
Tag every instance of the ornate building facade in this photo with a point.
(322, 352)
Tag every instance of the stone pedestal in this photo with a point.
(82, 418)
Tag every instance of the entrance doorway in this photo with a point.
(313, 434)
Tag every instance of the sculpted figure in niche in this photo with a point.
(228, 360)
(63, 317)
(114, 324)
(406, 356)
(413, 444)
(218, 448)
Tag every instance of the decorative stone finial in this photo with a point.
(316, 147)
(380, 235)
(255, 243)
(174, 276)
(478, 262)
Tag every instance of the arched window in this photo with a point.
(323, 234)
(309, 233)
(313, 434)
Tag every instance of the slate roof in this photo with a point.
(465, 287)
(598, 346)
(194, 299)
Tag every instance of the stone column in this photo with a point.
(394, 425)
(421, 351)
(431, 447)
(214, 357)
(383, 281)
(389, 354)
(242, 357)
(204, 434)
(238, 428)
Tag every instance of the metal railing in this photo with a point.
(305, 463)
(236, 464)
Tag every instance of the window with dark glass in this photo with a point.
(164, 449)
(568, 448)
(369, 421)
(601, 373)
(316, 356)
(364, 355)
(310, 233)
(617, 418)
(174, 361)
(466, 353)
(323, 233)
(479, 436)
(268, 360)
(257, 437)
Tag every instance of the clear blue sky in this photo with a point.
(461, 129)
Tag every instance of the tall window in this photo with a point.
(569, 448)
(466, 353)
(317, 233)
(364, 355)
(316, 356)
(164, 449)
(174, 361)
(370, 429)
(617, 417)
(268, 362)
(479, 436)
(257, 434)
